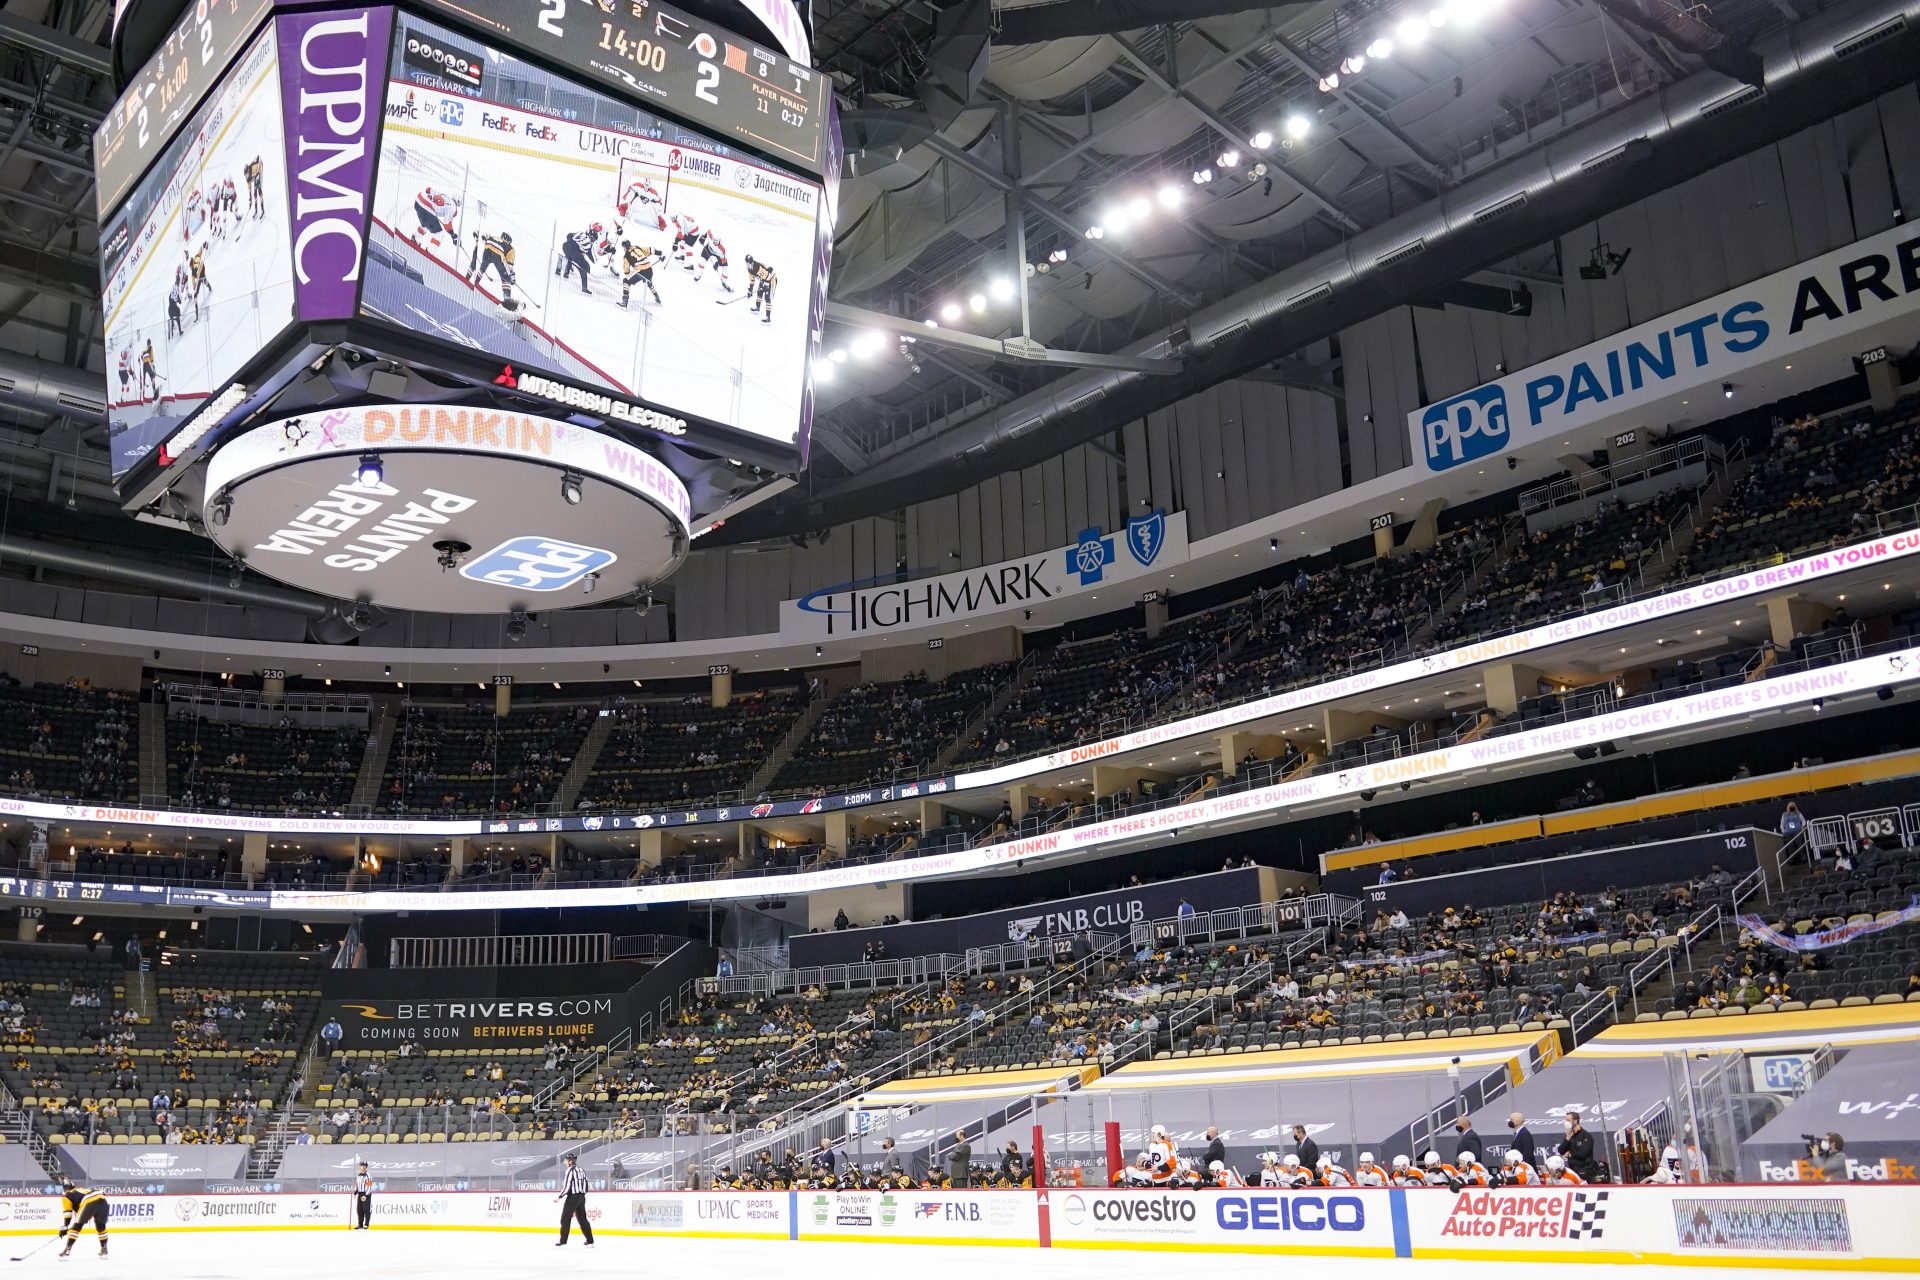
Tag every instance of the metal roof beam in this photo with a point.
(58, 45)
(1298, 57)
(1232, 132)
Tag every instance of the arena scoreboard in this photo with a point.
(603, 225)
(667, 60)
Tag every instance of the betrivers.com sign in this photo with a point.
(1833, 296)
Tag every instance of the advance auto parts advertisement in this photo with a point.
(477, 1022)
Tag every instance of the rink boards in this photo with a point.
(1841, 1227)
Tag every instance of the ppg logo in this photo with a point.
(1471, 425)
(452, 113)
(537, 564)
(1785, 1073)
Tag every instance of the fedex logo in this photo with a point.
(543, 132)
(537, 564)
(1471, 425)
(499, 124)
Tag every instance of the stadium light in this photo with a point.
(1298, 126)
(1140, 207)
(1382, 47)
(1201, 177)
(950, 312)
(1095, 232)
(1228, 159)
(570, 490)
(823, 371)
(1411, 32)
(977, 303)
(838, 355)
(1171, 196)
(369, 472)
(1001, 289)
(1261, 140)
(1329, 82)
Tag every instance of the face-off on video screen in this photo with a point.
(524, 216)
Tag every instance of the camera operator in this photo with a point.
(1826, 1158)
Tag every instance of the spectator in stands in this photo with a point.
(331, 1033)
(1792, 820)
(1522, 1140)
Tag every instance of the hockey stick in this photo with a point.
(727, 302)
(37, 1248)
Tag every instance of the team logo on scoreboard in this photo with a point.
(530, 563)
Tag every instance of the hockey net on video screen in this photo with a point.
(643, 192)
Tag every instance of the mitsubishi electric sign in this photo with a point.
(1838, 295)
(886, 606)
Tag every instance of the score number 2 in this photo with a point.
(709, 81)
(550, 12)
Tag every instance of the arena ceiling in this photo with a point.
(950, 191)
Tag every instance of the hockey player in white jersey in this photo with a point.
(1668, 1172)
(1331, 1174)
(1368, 1173)
(1271, 1174)
(1293, 1174)
(639, 197)
(1405, 1175)
(436, 214)
(686, 239)
(712, 250)
(1516, 1172)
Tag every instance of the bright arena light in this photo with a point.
(977, 303)
(1139, 207)
(950, 312)
(1382, 47)
(1261, 140)
(823, 371)
(1001, 289)
(1411, 31)
(837, 355)
(1298, 126)
(1171, 196)
(1228, 159)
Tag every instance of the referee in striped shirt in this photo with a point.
(573, 1195)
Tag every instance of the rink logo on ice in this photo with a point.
(530, 563)
(1812, 1224)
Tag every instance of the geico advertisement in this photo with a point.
(943, 1216)
(1346, 1222)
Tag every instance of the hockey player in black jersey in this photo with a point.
(493, 253)
(761, 281)
(81, 1207)
(637, 262)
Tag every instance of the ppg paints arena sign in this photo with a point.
(451, 509)
(477, 1023)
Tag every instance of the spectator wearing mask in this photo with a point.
(1792, 820)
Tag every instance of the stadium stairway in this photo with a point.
(987, 715)
(584, 760)
(16, 1127)
(153, 752)
(1510, 536)
(783, 750)
(373, 769)
(137, 991)
(1725, 480)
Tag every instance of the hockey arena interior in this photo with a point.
(827, 635)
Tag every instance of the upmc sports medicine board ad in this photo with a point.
(621, 242)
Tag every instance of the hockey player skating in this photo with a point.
(197, 282)
(712, 250)
(495, 254)
(578, 251)
(761, 281)
(81, 1207)
(127, 388)
(686, 237)
(149, 376)
(256, 188)
(436, 214)
(175, 326)
(636, 267)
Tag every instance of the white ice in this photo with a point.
(379, 1254)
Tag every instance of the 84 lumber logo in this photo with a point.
(1494, 1215)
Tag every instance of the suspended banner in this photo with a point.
(1827, 939)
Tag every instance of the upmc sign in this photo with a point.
(1838, 295)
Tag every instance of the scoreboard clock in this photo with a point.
(667, 60)
(163, 93)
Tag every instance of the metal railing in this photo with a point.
(1571, 488)
(500, 951)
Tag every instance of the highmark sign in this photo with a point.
(884, 607)
(1838, 295)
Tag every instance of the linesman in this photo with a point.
(80, 1206)
(573, 1197)
(362, 1198)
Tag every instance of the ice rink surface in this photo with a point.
(376, 1254)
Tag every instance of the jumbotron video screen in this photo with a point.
(553, 227)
